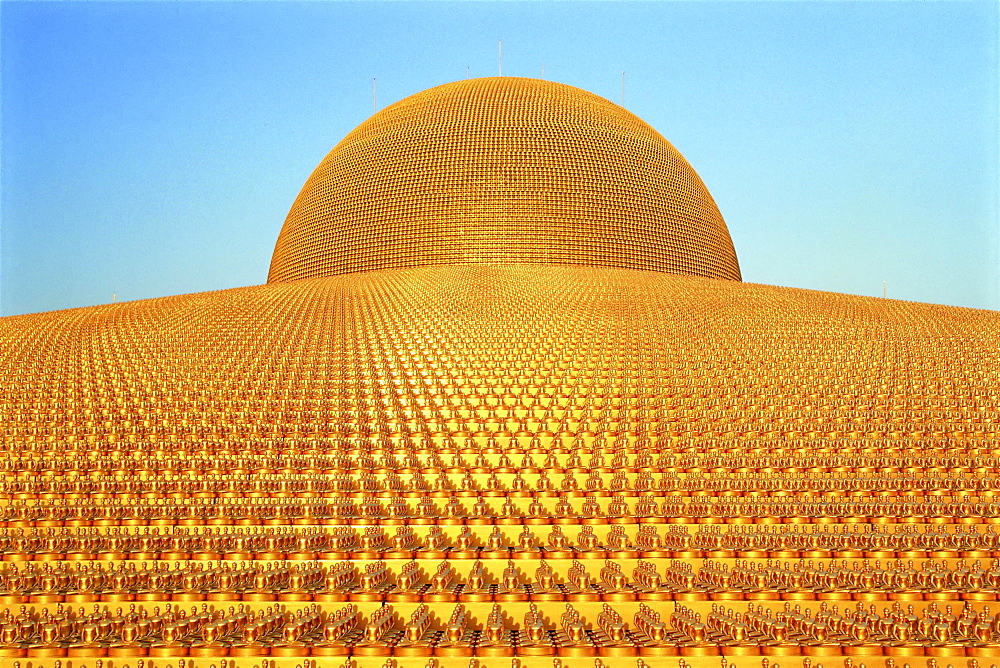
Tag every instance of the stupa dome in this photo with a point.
(504, 170)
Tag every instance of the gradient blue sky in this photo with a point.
(152, 149)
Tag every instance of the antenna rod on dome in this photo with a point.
(543, 70)
(374, 95)
(466, 71)
(500, 56)
(883, 289)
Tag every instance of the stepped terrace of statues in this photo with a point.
(505, 400)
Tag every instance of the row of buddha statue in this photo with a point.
(327, 455)
(476, 662)
(312, 630)
(776, 430)
(485, 508)
(448, 580)
(622, 480)
(553, 540)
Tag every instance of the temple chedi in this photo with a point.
(504, 400)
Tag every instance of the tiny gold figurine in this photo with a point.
(476, 587)
(339, 629)
(612, 636)
(511, 587)
(417, 639)
(496, 638)
(380, 634)
(534, 639)
(410, 583)
(544, 588)
(458, 637)
(579, 586)
(571, 638)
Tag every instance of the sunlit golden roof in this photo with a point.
(504, 170)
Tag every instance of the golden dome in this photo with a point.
(504, 170)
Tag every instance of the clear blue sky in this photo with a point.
(152, 149)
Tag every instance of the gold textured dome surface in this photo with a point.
(504, 170)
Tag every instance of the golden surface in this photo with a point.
(503, 170)
(513, 455)
(570, 354)
(272, 445)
